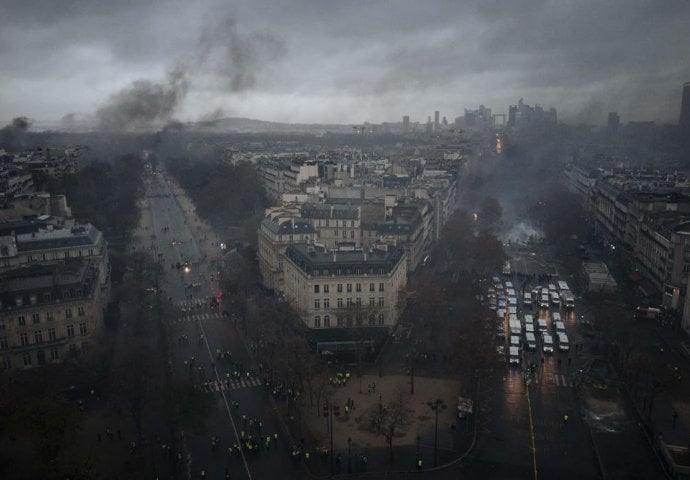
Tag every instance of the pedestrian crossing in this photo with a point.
(229, 384)
(199, 317)
(558, 380)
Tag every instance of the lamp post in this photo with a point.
(349, 462)
(328, 412)
(436, 406)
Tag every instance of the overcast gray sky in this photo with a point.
(345, 61)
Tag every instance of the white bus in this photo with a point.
(562, 286)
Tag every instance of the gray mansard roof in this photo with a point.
(315, 261)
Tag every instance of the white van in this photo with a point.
(544, 301)
(541, 325)
(559, 327)
(547, 343)
(563, 345)
(530, 341)
(515, 341)
(529, 320)
(556, 317)
(555, 299)
(514, 353)
(568, 300)
(527, 299)
(529, 327)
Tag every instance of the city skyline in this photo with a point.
(126, 66)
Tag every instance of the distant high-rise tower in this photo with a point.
(613, 122)
(429, 125)
(436, 118)
(406, 122)
(684, 122)
(512, 115)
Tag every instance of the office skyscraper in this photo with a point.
(436, 118)
(684, 122)
(613, 122)
(406, 122)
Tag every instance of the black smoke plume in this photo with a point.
(12, 136)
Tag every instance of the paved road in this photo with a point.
(207, 331)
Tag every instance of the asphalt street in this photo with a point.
(197, 332)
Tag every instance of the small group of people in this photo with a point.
(340, 379)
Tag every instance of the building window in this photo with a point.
(6, 363)
(349, 287)
(349, 302)
(68, 313)
(21, 320)
(317, 322)
(72, 350)
(27, 359)
(372, 287)
(23, 339)
(336, 233)
(3, 343)
(380, 318)
(340, 288)
(51, 334)
(344, 233)
(80, 311)
(38, 336)
(381, 301)
(317, 303)
(46, 297)
(358, 287)
(358, 301)
(372, 320)
(325, 287)
(372, 302)
(54, 354)
(339, 321)
(380, 287)
(326, 321)
(316, 289)
(41, 357)
(352, 234)
(340, 303)
(35, 318)
(326, 303)
(50, 316)
(70, 330)
(82, 329)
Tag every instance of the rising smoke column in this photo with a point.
(12, 136)
(231, 59)
(143, 104)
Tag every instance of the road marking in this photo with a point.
(531, 430)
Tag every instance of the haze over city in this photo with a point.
(309, 61)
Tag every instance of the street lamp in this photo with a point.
(328, 412)
(349, 462)
(436, 406)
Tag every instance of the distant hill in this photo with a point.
(248, 125)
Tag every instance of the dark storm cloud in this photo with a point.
(304, 59)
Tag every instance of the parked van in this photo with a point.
(555, 299)
(529, 327)
(568, 300)
(544, 301)
(559, 327)
(547, 343)
(514, 340)
(556, 317)
(541, 325)
(530, 342)
(514, 353)
(563, 345)
(529, 320)
(527, 299)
